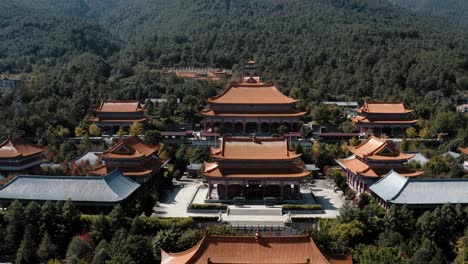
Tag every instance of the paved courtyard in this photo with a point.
(177, 199)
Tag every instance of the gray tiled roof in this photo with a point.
(452, 154)
(111, 188)
(397, 189)
(420, 158)
(89, 156)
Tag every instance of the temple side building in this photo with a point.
(255, 249)
(254, 168)
(373, 159)
(395, 189)
(251, 106)
(133, 157)
(17, 155)
(88, 191)
(112, 115)
(387, 118)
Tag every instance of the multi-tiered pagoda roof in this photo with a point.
(132, 157)
(252, 93)
(376, 157)
(254, 158)
(118, 113)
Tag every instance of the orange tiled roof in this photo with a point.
(384, 108)
(358, 167)
(17, 146)
(251, 92)
(362, 119)
(378, 149)
(255, 249)
(139, 170)
(253, 149)
(131, 147)
(210, 112)
(119, 106)
(212, 170)
(98, 119)
(463, 150)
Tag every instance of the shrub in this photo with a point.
(208, 206)
(301, 207)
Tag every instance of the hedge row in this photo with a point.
(151, 224)
(207, 206)
(299, 207)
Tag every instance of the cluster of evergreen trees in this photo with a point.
(34, 233)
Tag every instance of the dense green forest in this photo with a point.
(36, 233)
(314, 50)
(455, 11)
(30, 38)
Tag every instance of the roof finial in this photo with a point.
(257, 235)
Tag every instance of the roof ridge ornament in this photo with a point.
(257, 235)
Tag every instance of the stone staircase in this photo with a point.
(254, 216)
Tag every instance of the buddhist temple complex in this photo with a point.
(255, 249)
(254, 168)
(371, 160)
(384, 118)
(133, 158)
(112, 115)
(17, 155)
(251, 106)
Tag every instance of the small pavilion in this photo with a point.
(254, 168)
(249, 107)
(112, 115)
(255, 249)
(373, 159)
(133, 157)
(389, 118)
(17, 155)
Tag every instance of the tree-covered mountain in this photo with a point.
(313, 50)
(453, 10)
(30, 37)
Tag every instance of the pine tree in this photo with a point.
(71, 218)
(27, 251)
(99, 229)
(101, 254)
(47, 249)
(15, 227)
(117, 218)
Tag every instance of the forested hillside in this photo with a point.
(33, 37)
(313, 50)
(453, 10)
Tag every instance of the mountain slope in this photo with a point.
(29, 35)
(455, 11)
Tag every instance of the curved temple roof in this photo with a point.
(111, 188)
(253, 149)
(255, 249)
(394, 188)
(131, 147)
(378, 149)
(384, 108)
(252, 92)
(17, 146)
(119, 106)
